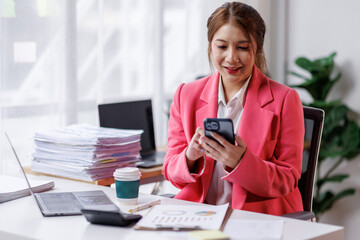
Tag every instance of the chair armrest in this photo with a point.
(301, 215)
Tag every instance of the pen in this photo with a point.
(177, 227)
(145, 206)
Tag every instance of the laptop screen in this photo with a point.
(131, 115)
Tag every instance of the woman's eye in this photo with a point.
(243, 48)
(221, 47)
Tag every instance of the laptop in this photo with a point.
(134, 115)
(68, 203)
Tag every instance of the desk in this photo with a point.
(21, 219)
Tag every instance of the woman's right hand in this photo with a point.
(194, 150)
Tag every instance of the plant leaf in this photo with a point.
(327, 87)
(319, 201)
(297, 75)
(334, 117)
(335, 178)
(328, 202)
(304, 63)
(337, 78)
(351, 139)
(320, 83)
(332, 55)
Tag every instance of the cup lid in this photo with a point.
(127, 171)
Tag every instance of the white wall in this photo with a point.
(315, 29)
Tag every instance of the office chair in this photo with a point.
(314, 121)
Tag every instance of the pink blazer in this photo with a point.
(272, 126)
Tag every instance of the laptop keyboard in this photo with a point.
(61, 202)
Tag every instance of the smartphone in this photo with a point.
(110, 218)
(222, 126)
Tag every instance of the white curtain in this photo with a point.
(60, 58)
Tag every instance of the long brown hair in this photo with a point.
(247, 18)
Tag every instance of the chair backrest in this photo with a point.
(314, 121)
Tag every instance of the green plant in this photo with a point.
(341, 135)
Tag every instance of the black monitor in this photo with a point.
(131, 115)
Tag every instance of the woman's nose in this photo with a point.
(232, 56)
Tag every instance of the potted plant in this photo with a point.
(341, 134)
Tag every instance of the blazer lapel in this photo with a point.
(208, 101)
(256, 121)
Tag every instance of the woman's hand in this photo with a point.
(228, 154)
(194, 150)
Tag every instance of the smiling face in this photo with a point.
(233, 54)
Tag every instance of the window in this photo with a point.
(60, 58)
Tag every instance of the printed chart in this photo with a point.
(177, 216)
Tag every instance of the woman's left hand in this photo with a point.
(228, 154)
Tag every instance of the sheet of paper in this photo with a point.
(254, 229)
(13, 187)
(204, 216)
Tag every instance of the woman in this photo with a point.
(261, 171)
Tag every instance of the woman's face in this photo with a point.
(233, 53)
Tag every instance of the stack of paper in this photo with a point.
(13, 188)
(85, 152)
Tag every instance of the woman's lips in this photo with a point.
(232, 70)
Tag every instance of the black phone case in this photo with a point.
(224, 128)
(110, 218)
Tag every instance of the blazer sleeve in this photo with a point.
(175, 168)
(279, 175)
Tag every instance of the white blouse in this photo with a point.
(220, 191)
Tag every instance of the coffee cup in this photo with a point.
(127, 181)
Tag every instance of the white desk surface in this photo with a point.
(21, 219)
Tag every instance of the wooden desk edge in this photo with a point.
(145, 173)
